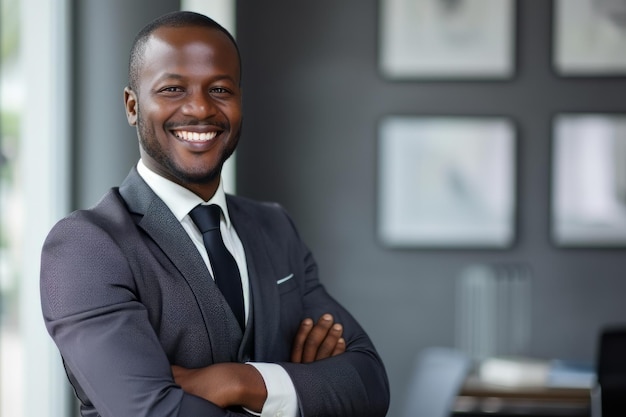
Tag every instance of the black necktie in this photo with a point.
(225, 270)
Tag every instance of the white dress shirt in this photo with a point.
(281, 394)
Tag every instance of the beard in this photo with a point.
(181, 174)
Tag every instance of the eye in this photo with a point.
(219, 90)
(171, 89)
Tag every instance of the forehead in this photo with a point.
(189, 49)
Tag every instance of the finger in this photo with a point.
(298, 343)
(316, 337)
(340, 347)
(329, 343)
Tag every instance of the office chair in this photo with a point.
(437, 377)
(609, 397)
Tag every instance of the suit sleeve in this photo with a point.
(351, 384)
(111, 352)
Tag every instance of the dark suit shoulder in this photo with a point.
(267, 219)
(105, 221)
(251, 204)
(266, 214)
(109, 212)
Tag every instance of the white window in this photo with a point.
(34, 141)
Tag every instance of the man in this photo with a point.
(134, 295)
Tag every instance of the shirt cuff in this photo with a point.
(282, 400)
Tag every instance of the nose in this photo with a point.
(200, 105)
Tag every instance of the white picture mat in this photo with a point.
(589, 180)
(446, 182)
(447, 39)
(590, 37)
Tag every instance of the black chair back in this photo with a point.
(611, 370)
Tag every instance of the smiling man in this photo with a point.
(189, 91)
(172, 298)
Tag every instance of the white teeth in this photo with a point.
(194, 136)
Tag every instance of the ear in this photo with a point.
(130, 103)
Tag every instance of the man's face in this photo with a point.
(187, 106)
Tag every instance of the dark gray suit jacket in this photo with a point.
(125, 294)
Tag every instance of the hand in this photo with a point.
(319, 341)
(224, 384)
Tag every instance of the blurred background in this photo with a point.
(321, 79)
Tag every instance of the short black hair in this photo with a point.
(173, 19)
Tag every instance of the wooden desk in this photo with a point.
(479, 399)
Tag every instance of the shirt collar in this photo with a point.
(176, 197)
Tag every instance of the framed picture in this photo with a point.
(589, 37)
(446, 182)
(447, 38)
(589, 180)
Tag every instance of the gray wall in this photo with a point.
(312, 99)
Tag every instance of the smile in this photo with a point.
(194, 136)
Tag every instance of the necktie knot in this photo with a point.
(205, 217)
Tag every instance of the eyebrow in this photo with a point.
(169, 76)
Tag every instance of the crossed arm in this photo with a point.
(231, 384)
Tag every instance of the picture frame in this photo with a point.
(588, 193)
(447, 39)
(589, 38)
(446, 182)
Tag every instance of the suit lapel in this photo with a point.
(262, 277)
(161, 225)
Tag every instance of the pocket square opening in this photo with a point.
(287, 278)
